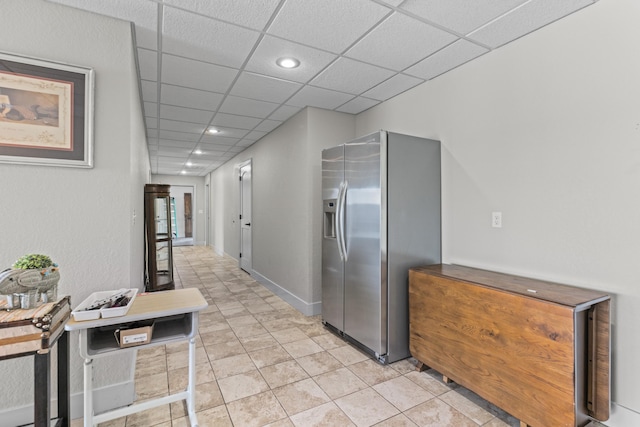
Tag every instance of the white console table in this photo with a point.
(175, 316)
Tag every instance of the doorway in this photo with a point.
(245, 216)
(182, 214)
(188, 216)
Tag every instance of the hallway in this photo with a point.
(262, 363)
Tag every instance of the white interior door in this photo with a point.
(245, 216)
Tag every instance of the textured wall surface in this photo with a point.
(82, 218)
(545, 130)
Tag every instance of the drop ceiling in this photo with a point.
(212, 63)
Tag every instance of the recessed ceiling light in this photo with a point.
(183, 172)
(189, 164)
(213, 130)
(288, 62)
(198, 152)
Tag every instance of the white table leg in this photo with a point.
(88, 392)
(191, 388)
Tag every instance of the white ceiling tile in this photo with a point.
(247, 107)
(318, 97)
(151, 122)
(236, 149)
(392, 87)
(194, 170)
(185, 114)
(177, 126)
(235, 121)
(198, 37)
(178, 136)
(227, 132)
(150, 109)
(249, 13)
(448, 58)
(144, 13)
(254, 135)
(186, 97)
(250, 85)
(398, 42)
(284, 112)
(347, 75)
(525, 19)
(219, 140)
(196, 74)
(357, 105)
(245, 143)
(331, 25)
(175, 151)
(205, 162)
(312, 61)
(148, 63)
(461, 16)
(172, 143)
(268, 125)
(211, 151)
(163, 170)
(149, 91)
(171, 162)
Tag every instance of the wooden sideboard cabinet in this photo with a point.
(536, 349)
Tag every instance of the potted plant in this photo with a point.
(33, 279)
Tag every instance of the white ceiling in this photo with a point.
(207, 63)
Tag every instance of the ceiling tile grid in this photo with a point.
(212, 64)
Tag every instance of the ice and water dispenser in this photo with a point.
(330, 218)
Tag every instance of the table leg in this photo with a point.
(42, 392)
(64, 412)
(191, 388)
(88, 392)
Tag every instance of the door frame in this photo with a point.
(241, 165)
(194, 193)
(190, 204)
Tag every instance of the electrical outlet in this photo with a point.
(496, 219)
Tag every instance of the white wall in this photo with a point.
(77, 216)
(198, 200)
(286, 203)
(545, 130)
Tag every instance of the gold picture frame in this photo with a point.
(46, 112)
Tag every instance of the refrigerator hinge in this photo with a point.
(240, 216)
(240, 254)
(240, 176)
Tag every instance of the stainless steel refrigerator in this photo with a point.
(381, 216)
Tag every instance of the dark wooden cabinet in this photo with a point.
(158, 238)
(538, 350)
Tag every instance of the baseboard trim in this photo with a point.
(105, 399)
(308, 309)
(622, 417)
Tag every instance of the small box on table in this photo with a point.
(137, 333)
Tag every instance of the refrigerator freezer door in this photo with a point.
(365, 298)
(332, 264)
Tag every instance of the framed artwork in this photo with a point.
(46, 112)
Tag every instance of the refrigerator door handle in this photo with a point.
(338, 222)
(342, 199)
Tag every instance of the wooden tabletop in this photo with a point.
(540, 289)
(150, 306)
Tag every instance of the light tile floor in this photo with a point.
(260, 362)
